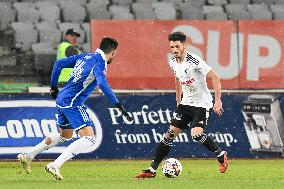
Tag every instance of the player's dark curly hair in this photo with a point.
(177, 36)
(108, 44)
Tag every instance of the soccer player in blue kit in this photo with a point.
(89, 71)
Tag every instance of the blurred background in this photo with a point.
(31, 30)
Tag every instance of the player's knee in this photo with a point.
(196, 130)
(169, 137)
(56, 139)
(198, 135)
(48, 140)
(92, 141)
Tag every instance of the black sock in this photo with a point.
(208, 142)
(161, 152)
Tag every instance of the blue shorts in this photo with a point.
(73, 118)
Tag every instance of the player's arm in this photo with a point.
(177, 85)
(105, 88)
(178, 91)
(205, 69)
(68, 62)
(217, 89)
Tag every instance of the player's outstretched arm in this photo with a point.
(217, 108)
(104, 86)
(68, 62)
(178, 91)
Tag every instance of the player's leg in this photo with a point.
(198, 135)
(178, 123)
(161, 152)
(164, 147)
(81, 121)
(47, 143)
(66, 134)
(85, 144)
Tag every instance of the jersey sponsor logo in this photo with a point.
(26, 122)
(188, 82)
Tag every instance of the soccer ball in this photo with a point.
(171, 168)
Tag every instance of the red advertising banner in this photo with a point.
(246, 54)
(262, 64)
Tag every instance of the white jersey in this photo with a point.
(191, 74)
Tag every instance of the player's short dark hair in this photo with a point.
(177, 36)
(108, 44)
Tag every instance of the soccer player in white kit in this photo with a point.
(194, 103)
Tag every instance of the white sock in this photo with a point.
(55, 140)
(152, 170)
(85, 144)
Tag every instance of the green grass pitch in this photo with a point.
(118, 174)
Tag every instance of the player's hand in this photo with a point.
(127, 115)
(54, 92)
(218, 109)
(178, 98)
(124, 112)
(178, 102)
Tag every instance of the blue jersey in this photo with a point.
(89, 71)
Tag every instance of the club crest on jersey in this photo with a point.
(188, 82)
(87, 57)
(186, 70)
